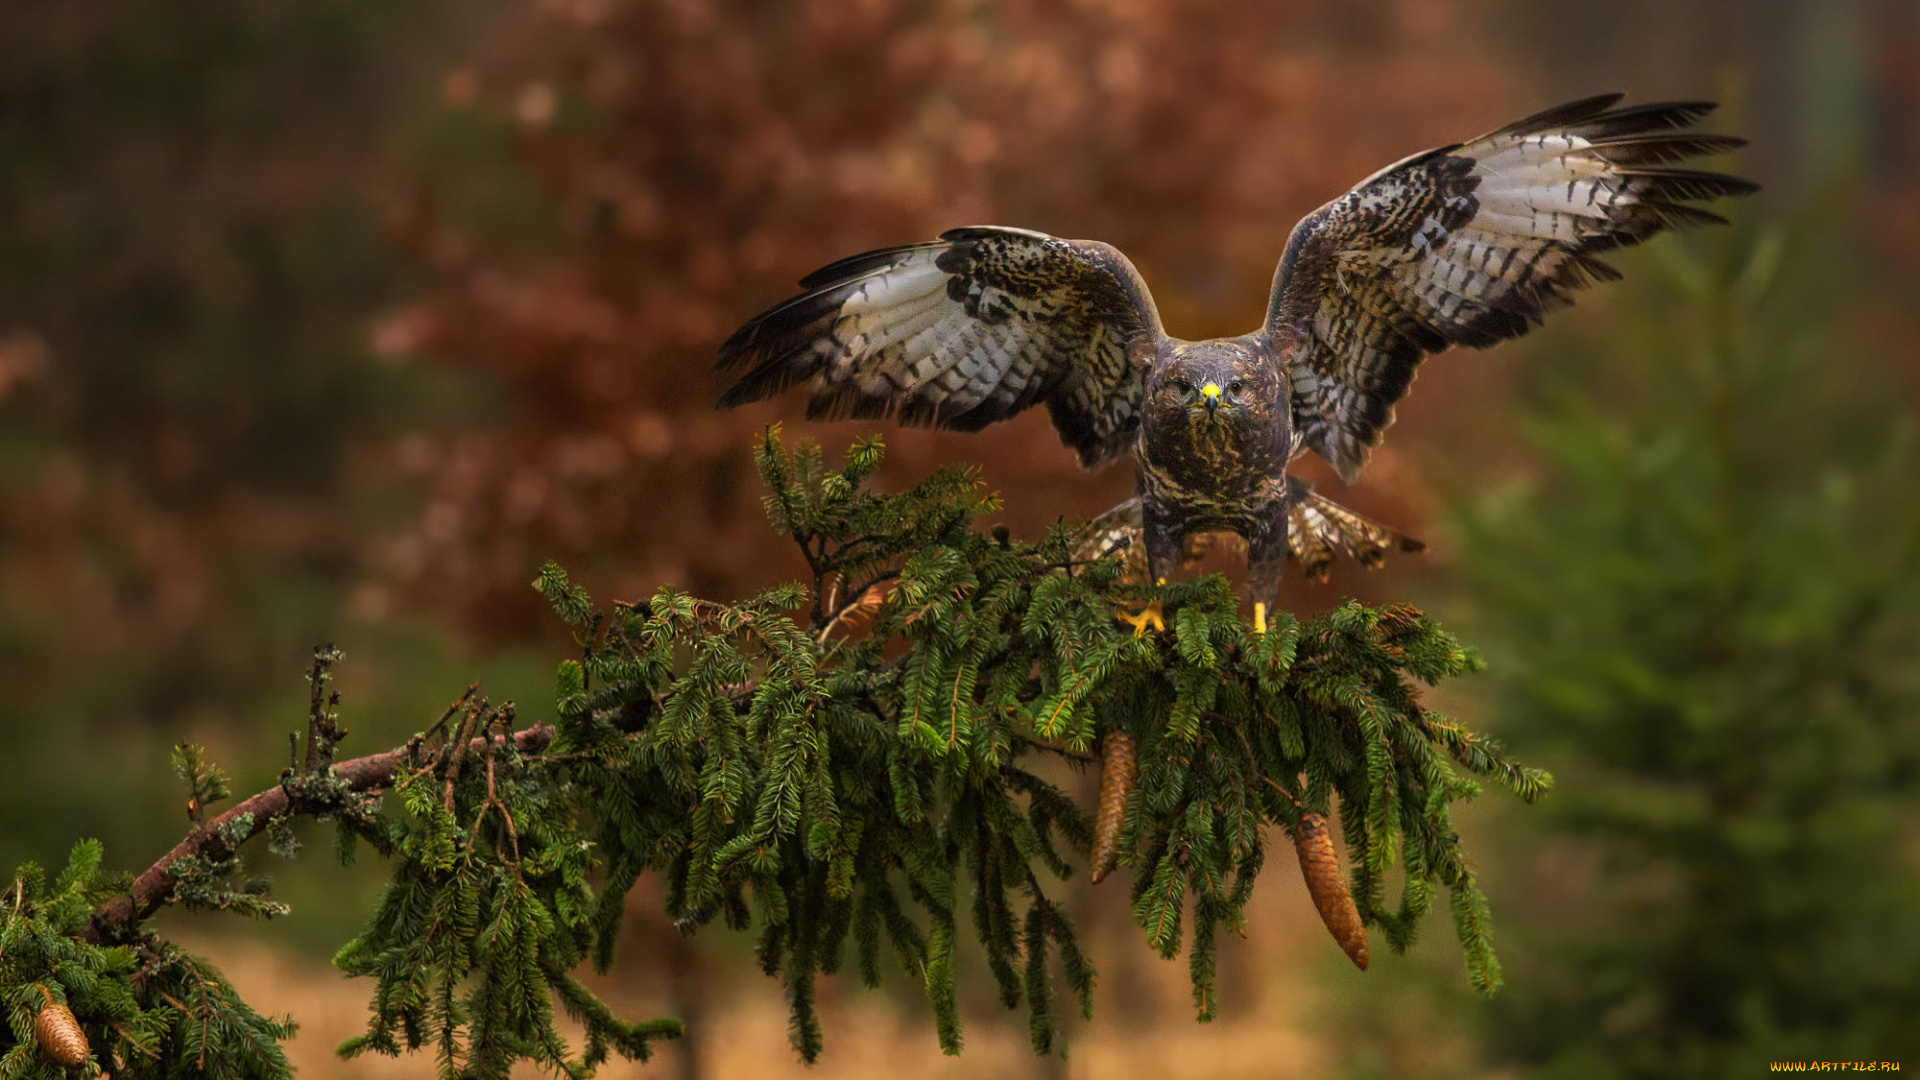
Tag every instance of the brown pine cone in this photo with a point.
(1328, 887)
(1119, 766)
(59, 1034)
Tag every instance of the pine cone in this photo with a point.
(1119, 766)
(59, 1034)
(1328, 887)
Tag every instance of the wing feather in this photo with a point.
(1472, 244)
(959, 333)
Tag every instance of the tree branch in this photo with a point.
(154, 887)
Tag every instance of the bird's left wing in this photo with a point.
(1469, 245)
(960, 332)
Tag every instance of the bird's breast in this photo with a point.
(1207, 470)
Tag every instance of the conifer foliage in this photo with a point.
(863, 768)
(871, 777)
(1710, 608)
(145, 1008)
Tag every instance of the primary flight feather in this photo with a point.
(1467, 244)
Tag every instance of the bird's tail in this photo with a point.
(1318, 531)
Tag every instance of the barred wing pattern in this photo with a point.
(1319, 530)
(961, 332)
(1469, 245)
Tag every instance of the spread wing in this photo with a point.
(1469, 245)
(960, 332)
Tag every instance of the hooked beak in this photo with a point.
(1210, 394)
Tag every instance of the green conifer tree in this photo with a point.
(1709, 618)
(860, 767)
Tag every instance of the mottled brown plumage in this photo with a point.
(1467, 244)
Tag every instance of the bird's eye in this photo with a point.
(1236, 386)
(1183, 386)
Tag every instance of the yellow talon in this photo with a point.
(1259, 618)
(1145, 617)
(1151, 615)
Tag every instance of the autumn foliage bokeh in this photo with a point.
(334, 320)
(700, 157)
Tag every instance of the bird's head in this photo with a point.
(1214, 385)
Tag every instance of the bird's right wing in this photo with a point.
(960, 332)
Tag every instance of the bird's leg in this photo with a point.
(1164, 549)
(1266, 557)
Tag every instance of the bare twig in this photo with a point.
(154, 887)
(454, 755)
(496, 803)
(323, 724)
(864, 603)
(458, 703)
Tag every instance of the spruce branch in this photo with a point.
(219, 838)
(847, 762)
(857, 765)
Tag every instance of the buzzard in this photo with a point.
(1467, 244)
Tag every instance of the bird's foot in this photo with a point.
(1151, 615)
(1259, 618)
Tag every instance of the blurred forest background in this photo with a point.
(329, 321)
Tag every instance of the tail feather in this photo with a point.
(1319, 530)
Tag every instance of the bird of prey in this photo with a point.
(1467, 244)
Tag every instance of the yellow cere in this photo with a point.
(1211, 390)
